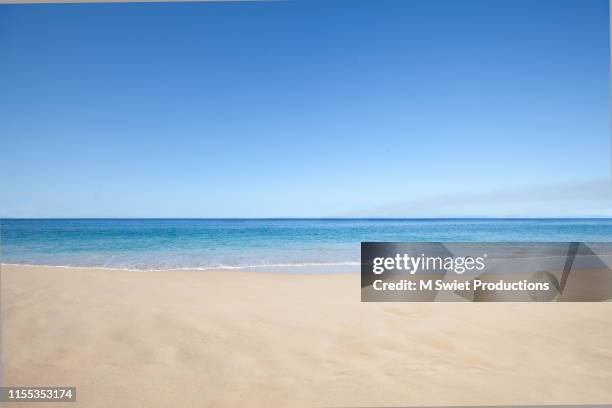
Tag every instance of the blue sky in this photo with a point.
(305, 108)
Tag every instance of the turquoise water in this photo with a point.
(255, 243)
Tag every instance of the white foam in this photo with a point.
(256, 267)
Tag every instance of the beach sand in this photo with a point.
(227, 338)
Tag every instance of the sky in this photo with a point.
(306, 109)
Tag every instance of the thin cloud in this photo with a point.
(590, 198)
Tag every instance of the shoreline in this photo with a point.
(306, 269)
(227, 338)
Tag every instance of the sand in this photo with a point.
(193, 339)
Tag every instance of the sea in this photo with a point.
(314, 245)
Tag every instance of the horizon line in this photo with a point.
(312, 218)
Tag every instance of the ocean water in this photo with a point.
(328, 244)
